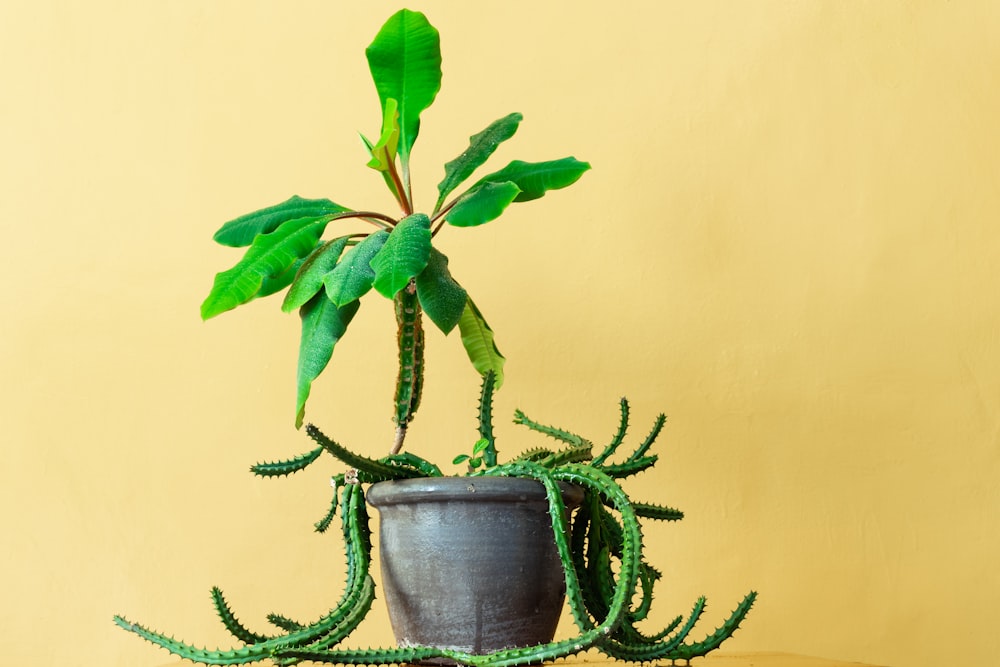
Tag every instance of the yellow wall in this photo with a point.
(788, 243)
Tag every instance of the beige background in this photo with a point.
(788, 243)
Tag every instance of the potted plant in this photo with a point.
(593, 554)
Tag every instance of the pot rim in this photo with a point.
(455, 488)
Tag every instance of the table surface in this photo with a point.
(716, 659)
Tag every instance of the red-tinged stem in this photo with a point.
(439, 216)
(402, 196)
(371, 216)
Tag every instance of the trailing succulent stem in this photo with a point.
(328, 630)
(282, 468)
(609, 585)
(367, 470)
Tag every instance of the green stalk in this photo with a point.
(410, 341)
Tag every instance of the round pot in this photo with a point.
(470, 563)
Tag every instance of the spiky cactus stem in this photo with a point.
(410, 343)
(609, 586)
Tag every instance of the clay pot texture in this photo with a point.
(470, 563)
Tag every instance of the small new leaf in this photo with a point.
(383, 152)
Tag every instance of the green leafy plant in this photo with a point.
(609, 583)
(396, 256)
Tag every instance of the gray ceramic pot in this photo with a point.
(470, 563)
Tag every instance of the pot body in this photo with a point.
(469, 563)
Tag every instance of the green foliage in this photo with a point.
(482, 204)
(242, 231)
(481, 147)
(534, 179)
(309, 277)
(353, 275)
(479, 342)
(404, 255)
(269, 255)
(405, 63)
(285, 248)
(323, 325)
(476, 458)
(441, 297)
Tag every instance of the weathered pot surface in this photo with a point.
(469, 563)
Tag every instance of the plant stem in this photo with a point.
(439, 216)
(486, 418)
(407, 193)
(410, 343)
(402, 192)
(397, 443)
(371, 216)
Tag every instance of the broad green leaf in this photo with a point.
(279, 282)
(537, 178)
(240, 232)
(440, 296)
(404, 255)
(482, 204)
(268, 256)
(323, 324)
(405, 62)
(384, 151)
(477, 337)
(481, 147)
(309, 278)
(353, 275)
